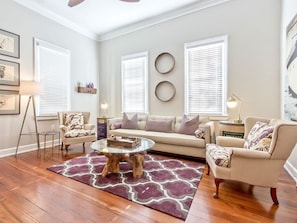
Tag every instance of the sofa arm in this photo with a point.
(209, 131)
(227, 141)
(112, 121)
(249, 154)
(90, 126)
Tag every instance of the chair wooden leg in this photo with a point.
(217, 182)
(66, 148)
(273, 196)
(62, 146)
(208, 167)
(84, 147)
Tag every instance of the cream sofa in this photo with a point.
(168, 142)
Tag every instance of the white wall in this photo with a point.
(253, 28)
(84, 66)
(289, 10)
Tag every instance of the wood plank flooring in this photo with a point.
(30, 193)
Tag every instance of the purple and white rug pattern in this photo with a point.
(167, 185)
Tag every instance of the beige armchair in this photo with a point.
(75, 128)
(258, 158)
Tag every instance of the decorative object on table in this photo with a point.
(126, 142)
(9, 73)
(9, 102)
(164, 63)
(165, 91)
(30, 88)
(235, 102)
(167, 185)
(9, 44)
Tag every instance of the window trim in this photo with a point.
(38, 43)
(145, 55)
(204, 42)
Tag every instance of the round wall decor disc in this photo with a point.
(165, 91)
(164, 63)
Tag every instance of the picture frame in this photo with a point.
(9, 73)
(9, 44)
(9, 102)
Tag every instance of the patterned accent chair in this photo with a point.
(258, 158)
(75, 128)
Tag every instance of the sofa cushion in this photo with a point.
(159, 125)
(162, 137)
(129, 123)
(189, 126)
(78, 133)
(74, 120)
(259, 137)
(220, 155)
(200, 133)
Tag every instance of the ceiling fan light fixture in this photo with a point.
(72, 3)
(130, 0)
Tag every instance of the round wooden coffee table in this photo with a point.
(116, 154)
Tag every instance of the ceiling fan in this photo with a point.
(72, 3)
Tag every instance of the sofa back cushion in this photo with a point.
(163, 118)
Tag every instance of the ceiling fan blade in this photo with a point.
(72, 3)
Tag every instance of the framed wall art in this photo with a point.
(290, 91)
(9, 73)
(9, 102)
(9, 44)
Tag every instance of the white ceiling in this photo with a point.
(104, 19)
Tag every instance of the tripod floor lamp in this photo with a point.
(30, 88)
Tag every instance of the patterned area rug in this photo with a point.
(167, 185)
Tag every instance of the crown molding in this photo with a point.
(191, 8)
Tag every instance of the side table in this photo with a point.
(227, 128)
(101, 128)
(51, 133)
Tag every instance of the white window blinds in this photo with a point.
(205, 76)
(134, 83)
(52, 70)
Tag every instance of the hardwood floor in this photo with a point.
(30, 193)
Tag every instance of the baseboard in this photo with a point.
(26, 148)
(291, 170)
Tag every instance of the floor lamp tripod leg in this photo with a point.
(17, 148)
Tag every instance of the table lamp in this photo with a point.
(30, 88)
(104, 107)
(232, 102)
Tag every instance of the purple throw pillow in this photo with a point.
(189, 126)
(159, 125)
(130, 123)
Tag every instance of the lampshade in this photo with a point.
(232, 102)
(104, 106)
(30, 88)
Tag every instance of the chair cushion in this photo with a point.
(259, 137)
(74, 120)
(78, 133)
(220, 155)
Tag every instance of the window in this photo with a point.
(205, 76)
(52, 70)
(135, 83)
